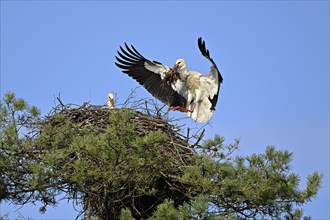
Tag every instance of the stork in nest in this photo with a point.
(111, 101)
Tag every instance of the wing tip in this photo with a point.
(202, 47)
(200, 40)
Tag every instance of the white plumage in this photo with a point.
(187, 91)
(111, 101)
(197, 89)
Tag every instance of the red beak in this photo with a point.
(175, 67)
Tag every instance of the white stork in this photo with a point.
(111, 101)
(187, 91)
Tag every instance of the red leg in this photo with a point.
(193, 108)
(179, 108)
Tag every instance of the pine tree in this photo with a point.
(128, 164)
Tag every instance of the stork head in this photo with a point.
(110, 96)
(180, 65)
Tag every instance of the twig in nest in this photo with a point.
(188, 130)
(59, 100)
(199, 139)
(130, 97)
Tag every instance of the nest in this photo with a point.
(177, 147)
(98, 116)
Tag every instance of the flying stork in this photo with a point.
(181, 89)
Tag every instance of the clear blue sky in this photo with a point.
(273, 55)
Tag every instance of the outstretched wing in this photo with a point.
(149, 74)
(214, 73)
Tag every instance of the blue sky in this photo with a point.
(273, 55)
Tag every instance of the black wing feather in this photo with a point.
(205, 52)
(128, 54)
(137, 52)
(128, 59)
(132, 63)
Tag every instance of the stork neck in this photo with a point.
(183, 71)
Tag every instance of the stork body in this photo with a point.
(198, 88)
(187, 91)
